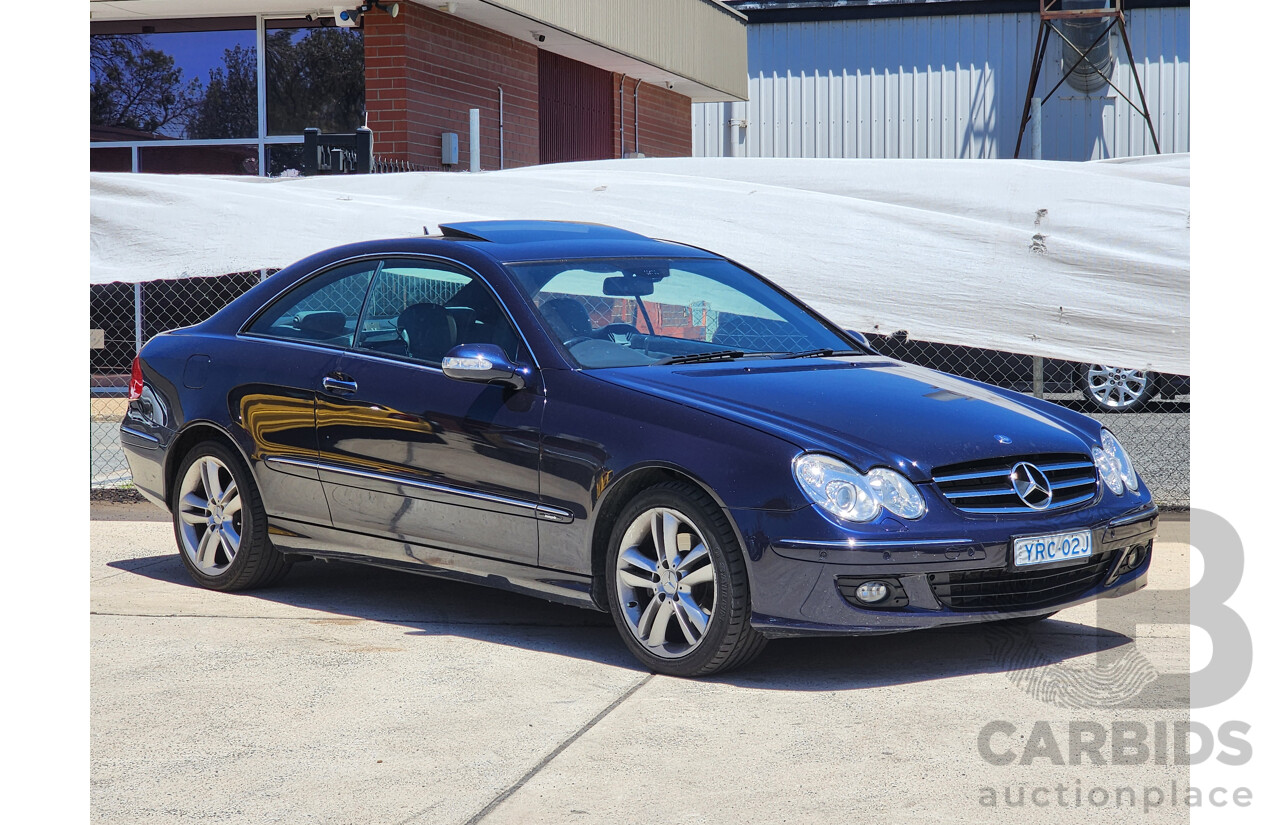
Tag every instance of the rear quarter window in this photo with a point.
(322, 310)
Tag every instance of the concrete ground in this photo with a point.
(357, 695)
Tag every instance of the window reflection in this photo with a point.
(284, 160)
(314, 78)
(110, 160)
(198, 80)
(147, 84)
(179, 159)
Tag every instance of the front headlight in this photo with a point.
(1114, 466)
(847, 494)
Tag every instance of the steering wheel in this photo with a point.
(616, 328)
(605, 333)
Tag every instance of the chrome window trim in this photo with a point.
(383, 357)
(542, 511)
(383, 256)
(311, 345)
(299, 284)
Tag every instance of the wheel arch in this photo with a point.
(190, 435)
(623, 488)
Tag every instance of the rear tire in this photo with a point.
(220, 523)
(677, 584)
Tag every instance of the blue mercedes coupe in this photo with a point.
(636, 426)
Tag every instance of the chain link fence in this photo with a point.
(1149, 413)
(123, 317)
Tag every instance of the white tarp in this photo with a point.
(1082, 261)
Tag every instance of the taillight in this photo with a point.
(135, 380)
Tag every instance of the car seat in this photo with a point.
(429, 331)
(567, 317)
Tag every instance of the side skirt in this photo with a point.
(300, 538)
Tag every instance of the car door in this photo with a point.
(280, 360)
(411, 455)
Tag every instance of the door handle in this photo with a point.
(338, 384)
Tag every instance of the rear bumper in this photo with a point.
(145, 454)
(796, 586)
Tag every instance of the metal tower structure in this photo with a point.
(1052, 15)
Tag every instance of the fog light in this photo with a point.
(872, 592)
(1135, 558)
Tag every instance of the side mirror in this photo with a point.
(860, 338)
(484, 364)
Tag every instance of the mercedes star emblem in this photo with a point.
(1031, 485)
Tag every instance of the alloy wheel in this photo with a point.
(210, 515)
(666, 582)
(1115, 387)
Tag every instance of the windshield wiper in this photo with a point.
(696, 357)
(819, 353)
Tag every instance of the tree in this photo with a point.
(229, 107)
(316, 79)
(133, 86)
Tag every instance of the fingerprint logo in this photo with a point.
(1082, 683)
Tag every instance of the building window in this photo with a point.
(187, 95)
(315, 77)
(149, 82)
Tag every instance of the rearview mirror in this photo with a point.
(484, 364)
(627, 286)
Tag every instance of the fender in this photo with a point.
(619, 491)
(173, 457)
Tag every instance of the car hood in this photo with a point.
(869, 410)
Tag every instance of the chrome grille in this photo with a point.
(987, 486)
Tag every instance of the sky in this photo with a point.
(199, 52)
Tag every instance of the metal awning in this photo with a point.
(697, 48)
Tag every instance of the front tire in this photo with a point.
(220, 523)
(677, 584)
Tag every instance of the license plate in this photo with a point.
(1034, 550)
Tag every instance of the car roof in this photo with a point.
(516, 241)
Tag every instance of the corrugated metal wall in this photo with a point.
(942, 87)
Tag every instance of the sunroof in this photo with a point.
(510, 232)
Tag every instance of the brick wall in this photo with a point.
(425, 69)
(666, 123)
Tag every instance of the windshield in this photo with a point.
(619, 312)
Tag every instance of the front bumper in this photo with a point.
(961, 578)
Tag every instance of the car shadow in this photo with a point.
(427, 606)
